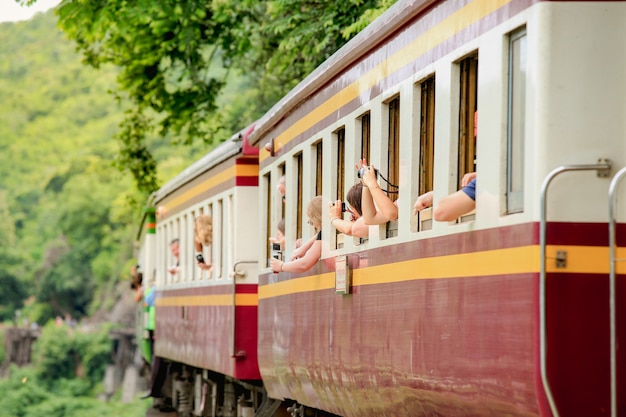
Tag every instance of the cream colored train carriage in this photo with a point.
(515, 308)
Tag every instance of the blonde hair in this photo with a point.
(203, 229)
(314, 211)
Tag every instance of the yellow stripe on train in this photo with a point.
(240, 170)
(521, 260)
(241, 300)
(449, 27)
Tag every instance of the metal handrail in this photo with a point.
(612, 297)
(233, 352)
(603, 165)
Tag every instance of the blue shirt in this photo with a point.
(470, 189)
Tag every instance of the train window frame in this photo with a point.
(365, 128)
(515, 122)
(218, 267)
(391, 113)
(267, 184)
(298, 160)
(468, 114)
(176, 277)
(425, 95)
(339, 157)
(319, 167)
(210, 249)
(230, 234)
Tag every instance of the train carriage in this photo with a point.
(515, 308)
(206, 321)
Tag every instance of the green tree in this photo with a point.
(175, 58)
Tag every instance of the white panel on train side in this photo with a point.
(580, 103)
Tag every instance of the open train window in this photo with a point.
(173, 260)
(393, 159)
(515, 134)
(219, 237)
(427, 148)
(267, 181)
(299, 172)
(365, 136)
(340, 141)
(230, 234)
(468, 121)
(281, 184)
(208, 250)
(318, 168)
(467, 116)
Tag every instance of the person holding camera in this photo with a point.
(355, 226)
(376, 205)
(203, 232)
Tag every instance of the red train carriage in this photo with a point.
(206, 321)
(505, 311)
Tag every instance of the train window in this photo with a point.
(209, 274)
(230, 254)
(318, 168)
(281, 184)
(173, 260)
(340, 138)
(365, 136)
(427, 148)
(467, 116)
(220, 255)
(393, 159)
(184, 258)
(268, 216)
(516, 105)
(161, 263)
(299, 172)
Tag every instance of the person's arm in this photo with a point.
(376, 206)
(303, 264)
(359, 228)
(451, 207)
(138, 294)
(423, 201)
(303, 249)
(337, 221)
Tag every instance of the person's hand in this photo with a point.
(297, 253)
(173, 270)
(298, 242)
(334, 210)
(368, 178)
(423, 201)
(204, 266)
(467, 178)
(276, 265)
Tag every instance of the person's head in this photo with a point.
(175, 247)
(353, 197)
(203, 229)
(281, 185)
(314, 211)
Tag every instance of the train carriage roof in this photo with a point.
(216, 156)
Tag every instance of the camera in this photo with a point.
(200, 258)
(276, 252)
(361, 172)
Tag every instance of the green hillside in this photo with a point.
(67, 213)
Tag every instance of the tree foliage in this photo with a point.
(176, 57)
